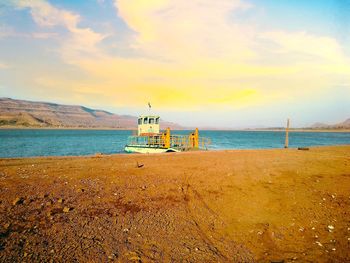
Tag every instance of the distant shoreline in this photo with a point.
(303, 130)
(66, 128)
(134, 129)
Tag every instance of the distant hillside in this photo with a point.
(342, 125)
(21, 113)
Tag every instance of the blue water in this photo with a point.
(24, 143)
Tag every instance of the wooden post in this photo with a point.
(167, 138)
(196, 139)
(286, 144)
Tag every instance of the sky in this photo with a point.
(219, 64)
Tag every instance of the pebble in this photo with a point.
(330, 228)
(66, 209)
(333, 249)
(319, 243)
(18, 200)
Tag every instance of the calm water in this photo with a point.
(20, 143)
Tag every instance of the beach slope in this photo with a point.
(279, 205)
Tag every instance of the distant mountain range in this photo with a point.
(22, 113)
(342, 125)
(345, 125)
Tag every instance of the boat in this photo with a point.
(149, 139)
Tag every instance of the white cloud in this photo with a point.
(184, 30)
(190, 51)
(44, 35)
(80, 40)
(4, 66)
(305, 43)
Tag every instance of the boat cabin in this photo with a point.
(148, 125)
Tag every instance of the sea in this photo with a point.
(38, 142)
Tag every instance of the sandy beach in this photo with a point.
(279, 205)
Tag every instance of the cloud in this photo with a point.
(79, 41)
(44, 14)
(307, 44)
(184, 30)
(4, 66)
(44, 35)
(193, 51)
(189, 55)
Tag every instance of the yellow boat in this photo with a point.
(150, 140)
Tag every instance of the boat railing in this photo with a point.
(179, 142)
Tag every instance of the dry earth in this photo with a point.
(226, 206)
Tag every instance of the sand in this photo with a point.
(280, 205)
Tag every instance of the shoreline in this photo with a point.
(124, 154)
(189, 129)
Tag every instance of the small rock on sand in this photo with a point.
(18, 200)
(66, 209)
(319, 243)
(330, 228)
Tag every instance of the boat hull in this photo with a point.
(147, 149)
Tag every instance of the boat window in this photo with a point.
(157, 120)
(151, 120)
(140, 121)
(145, 120)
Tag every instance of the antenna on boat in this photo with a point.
(286, 143)
(149, 107)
